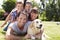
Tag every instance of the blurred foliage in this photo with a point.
(9, 5)
(1, 14)
(51, 12)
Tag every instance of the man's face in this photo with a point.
(27, 7)
(19, 6)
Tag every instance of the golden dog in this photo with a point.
(35, 28)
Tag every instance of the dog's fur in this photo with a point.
(35, 27)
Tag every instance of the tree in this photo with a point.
(52, 10)
(9, 5)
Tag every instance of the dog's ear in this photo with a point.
(32, 24)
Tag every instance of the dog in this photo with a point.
(35, 28)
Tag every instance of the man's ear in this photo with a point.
(32, 24)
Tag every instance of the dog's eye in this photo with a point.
(36, 21)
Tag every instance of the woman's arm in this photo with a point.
(10, 36)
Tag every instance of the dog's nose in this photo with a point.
(40, 25)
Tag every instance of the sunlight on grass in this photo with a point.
(52, 30)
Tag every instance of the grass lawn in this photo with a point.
(51, 29)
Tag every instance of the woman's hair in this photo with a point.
(33, 11)
(23, 12)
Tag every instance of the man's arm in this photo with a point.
(7, 19)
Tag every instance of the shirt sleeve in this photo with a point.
(12, 25)
(28, 23)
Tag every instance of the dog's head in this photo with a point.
(35, 27)
(37, 24)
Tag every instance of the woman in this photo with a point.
(12, 16)
(18, 28)
(33, 15)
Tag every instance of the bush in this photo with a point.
(43, 16)
(8, 5)
(1, 14)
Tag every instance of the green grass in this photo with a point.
(2, 35)
(50, 28)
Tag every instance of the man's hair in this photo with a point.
(19, 3)
(29, 3)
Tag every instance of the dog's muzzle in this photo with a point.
(39, 26)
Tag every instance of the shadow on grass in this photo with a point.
(3, 32)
